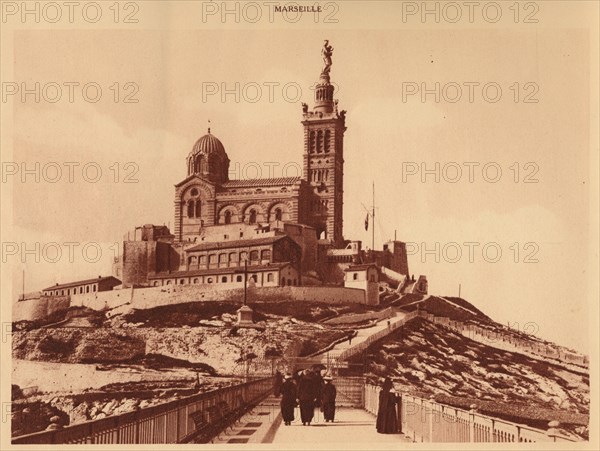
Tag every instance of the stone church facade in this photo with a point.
(206, 197)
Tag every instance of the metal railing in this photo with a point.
(424, 420)
(171, 422)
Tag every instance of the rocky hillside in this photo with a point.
(198, 333)
(427, 359)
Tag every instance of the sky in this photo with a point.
(162, 82)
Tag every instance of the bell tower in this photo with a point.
(323, 156)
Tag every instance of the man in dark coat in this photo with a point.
(387, 418)
(328, 399)
(288, 399)
(277, 383)
(307, 395)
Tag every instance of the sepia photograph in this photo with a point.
(299, 225)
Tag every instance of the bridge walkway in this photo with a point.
(264, 425)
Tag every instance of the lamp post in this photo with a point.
(245, 312)
(245, 281)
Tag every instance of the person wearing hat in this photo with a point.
(387, 418)
(288, 399)
(328, 399)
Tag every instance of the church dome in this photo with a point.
(209, 144)
(209, 160)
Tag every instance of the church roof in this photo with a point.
(251, 183)
(236, 243)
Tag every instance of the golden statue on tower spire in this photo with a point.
(326, 51)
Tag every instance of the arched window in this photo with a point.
(265, 254)
(210, 280)
(289, 281)
(278, 214)
(319, 141)
(254, 277)
(198, 208)
(196, 280)
(270, 277)
(168, 282)
(212, 259)
(227, 217)
(327, 135)
(243, 256)
(238, 278)
(233, 258)
(224, 279)
(252, 217)
(155, 283)
(355, 276)
(202, 260)
(254, 256)
(190, 209)
(223, 259)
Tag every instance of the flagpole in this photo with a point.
(373, 225)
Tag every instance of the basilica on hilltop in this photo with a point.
(282, 231)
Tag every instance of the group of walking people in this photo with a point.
(308, 389)
(311, 388)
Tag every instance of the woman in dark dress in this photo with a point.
(387, 418)
(328, 399)
(288, 399)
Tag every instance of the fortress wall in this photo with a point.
(330, 295)
(153, 297)
(39, 308)
(30, 309)
(391, 274)
(101, 299)
(144, 298)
